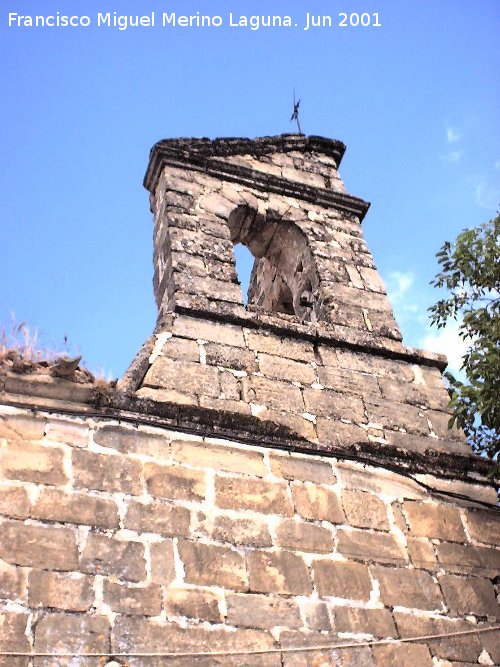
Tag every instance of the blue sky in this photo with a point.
(416, 101)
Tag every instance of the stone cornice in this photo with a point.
(201, 155)
(282, 143)
(46, 394)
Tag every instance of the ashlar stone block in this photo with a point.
(210, 565)
(281, 572)
(342, 579)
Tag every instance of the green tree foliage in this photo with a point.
(470, 273)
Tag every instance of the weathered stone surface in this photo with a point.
(490, 642)
(194, 378)
(434, 520)
(231, 387)
(348, 381)
(422, 443)
(469, 595)
(207, 454)
(302, 468)
(439, 423)
(215, 332)
(342, 579)
(113, 473)
(157, 517)
(110, 556)
(182, 349)
(162, 562)
(125, 599)
(48, 387)
(421, 553)
(378, 481)
(198, 603)
(281, 572)
(402, 655)
(415, 394)
(253, 494)
(376, 622)
(225, 405)
(317, 502)
(32, 463)
(298, 425)
(13, 638)
(174, 482)
(407, 588)
(466, 648)
(483, 526)
(72, 633)
(316, 615)
(480, 492)
(243, 530)
(217, 204)
(371, 279)
(369, 300)
(395, 415)
(206, 286)
(133, 441)
(272, 393)
(38, 546)
(142, 635)
(338, 434)
(383, 324)
(364, 545)
(301, 536)
(210, 565)
(197, 243)
(74, 433)
(282, 347)
(377, 365)
(14, 502)
(262, 611)
(364, 510)
(170, 396)
(13, 581)
(69, 591)
(290, 639)
(479, 561)
(333, 404)
(287, 369)
(229, 356)
(79, 508)
(354, 657)
(21, 427)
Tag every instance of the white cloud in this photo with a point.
(496, 165)
(398, 284)
(452, 135)
(486, 196)
(446, 341)
(410, 307)
(452, 156)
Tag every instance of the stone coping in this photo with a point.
(45, 393)
(201, 155)
(281, 143)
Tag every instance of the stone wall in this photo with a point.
(119, 536)
(264, 479)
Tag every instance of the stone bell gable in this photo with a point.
(270, 484)
(316, 349)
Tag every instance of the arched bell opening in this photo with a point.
(284, 278)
